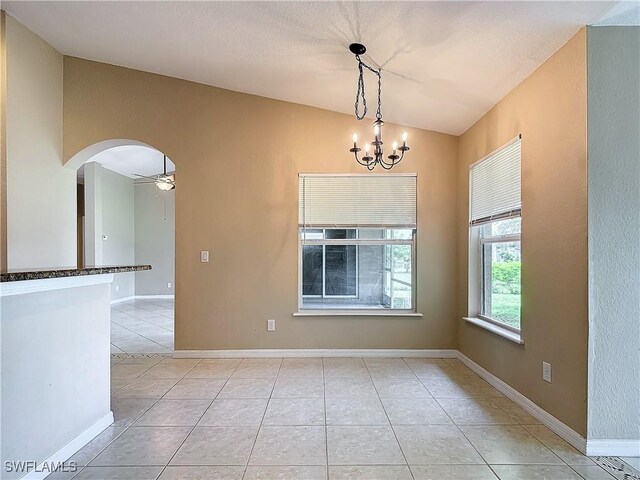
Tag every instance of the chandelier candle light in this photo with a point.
(368, 160)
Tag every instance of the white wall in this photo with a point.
(41, 193)
(155, 224)
(109, 211)
(614, 233)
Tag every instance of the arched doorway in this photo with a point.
(126, 215)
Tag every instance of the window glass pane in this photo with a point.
(340, 270)
(501, 269)
(403, 234)
(370, 233)
(509, 226)
(339, 233)
(312, 234)
(312, 270)
(356, 277)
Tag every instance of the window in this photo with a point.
(354, 255)
(495, 243)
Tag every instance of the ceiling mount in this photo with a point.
(357, 49)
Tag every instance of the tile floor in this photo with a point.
(315, 418)
(142, 326)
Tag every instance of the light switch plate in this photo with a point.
(204, 256)
(546, 372)
(271, 325)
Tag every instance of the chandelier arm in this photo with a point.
(359, 161)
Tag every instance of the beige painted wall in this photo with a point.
(549, 110)
(238, 156)
(41, 194)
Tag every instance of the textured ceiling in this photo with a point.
(129, 160)
(444, 63)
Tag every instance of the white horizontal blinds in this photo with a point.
(495, 185)
(375, 200)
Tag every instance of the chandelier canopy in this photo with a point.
(375, 157)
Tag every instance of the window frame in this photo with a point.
(481, 241)
(324, 268)
(357, 242)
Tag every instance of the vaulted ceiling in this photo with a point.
(444, 63)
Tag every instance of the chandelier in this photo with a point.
(376, 156)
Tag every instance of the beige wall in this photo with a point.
(41, 194)
(3, 140)
(238, 156)
(549, 110)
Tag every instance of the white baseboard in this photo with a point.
(72, 447)
(123, 299)
(142, 297)
(551, 422)
(613, 448)
(139, 297)
(312, 352)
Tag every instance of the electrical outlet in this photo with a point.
(117, 288)
(169, 285)
(204, 256)
(546, 372)
(271, 325)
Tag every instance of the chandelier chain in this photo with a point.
(360, 90)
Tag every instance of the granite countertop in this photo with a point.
(19, 275)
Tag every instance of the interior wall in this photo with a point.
(41, 195)
(155, 233)
(614, 232)
(110, 207)
(549, 110)
(3, 140)
(238, 157)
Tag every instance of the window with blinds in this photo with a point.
(357, 242)
(495, 236)
(495, 185)
(367, 200)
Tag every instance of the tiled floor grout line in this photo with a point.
(203, 413)
(255, 440)
(131, 313)
(395, 435)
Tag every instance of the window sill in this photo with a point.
(355, 313)
(493, 328)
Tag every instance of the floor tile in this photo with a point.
(515, 411)
(535, 472)
(234, 412)
(632, 461)
(127, 410)
(436, 445)
(400, 387)
(95, 446)
(289, 446)
(370, 472)
(193, 388)
(509, 444)
(355, 411)
(474, 411)
(593, 472)
(566, 452)
(142, 327)
(258, 368)
(360, 445)
(142, 446)
(298, 387)
(146, 388)
(349, 387)
(295, 411)
(219, 368)
(247, 388)
(118, 473)
(345, 367)
(173, 413)
(452, 472)
(260, 472)
(202, 473)
(301, 368)
(216, 446)
(415, 411)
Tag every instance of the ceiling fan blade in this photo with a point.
(145, 176)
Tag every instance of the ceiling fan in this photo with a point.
(162, 181)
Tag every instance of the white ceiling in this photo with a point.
(445, 64)
(129, 160)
